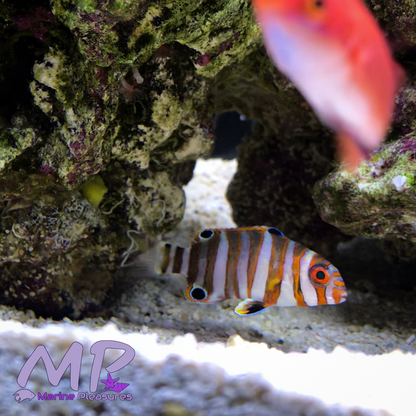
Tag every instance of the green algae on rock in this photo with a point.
(126, 32)
(376, 201)
(74, 123)
(78, 144)
(14, 141)
(71, 122)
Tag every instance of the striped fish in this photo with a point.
(258, 264)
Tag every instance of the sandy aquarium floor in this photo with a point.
(379, 315)
(208, 373)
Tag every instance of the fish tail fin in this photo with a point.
(350, 154)
(156, 264)
(149, 262)
(157, 261)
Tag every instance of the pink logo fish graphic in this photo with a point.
(23, 394)
(111, 384)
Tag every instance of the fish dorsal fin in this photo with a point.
(250, 307)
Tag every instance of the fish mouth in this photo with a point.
(340, 298)
(332, 301)
(343, 297)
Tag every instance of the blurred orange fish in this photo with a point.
(336, 55)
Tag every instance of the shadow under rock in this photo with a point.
(380, 293)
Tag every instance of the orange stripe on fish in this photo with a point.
(256, 239)
(320, 292)
(177, 260)
(165, 258)
(275, 276)
(298, 254)
(211, 255)
(338, 295)
(234, 247)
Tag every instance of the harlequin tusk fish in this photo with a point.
(336, 55)
(258, 264)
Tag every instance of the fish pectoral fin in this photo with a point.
(250, 307)
(350, 154)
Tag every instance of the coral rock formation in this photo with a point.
(116, 89)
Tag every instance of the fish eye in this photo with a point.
(315, 9)
(319, 275)
(206, 234)
(198, 293)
